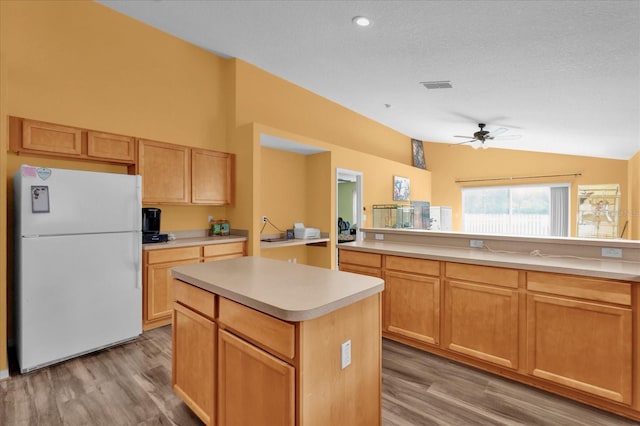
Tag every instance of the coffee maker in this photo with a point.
(151, 226)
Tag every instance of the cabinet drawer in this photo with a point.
(583, 288)
(172, 255)
(274, 335)
(195, 298)
(360, 258)
(482, 274)
(416, 266)
(224, 249)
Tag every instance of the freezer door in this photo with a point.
(76, 294)
(59, 202)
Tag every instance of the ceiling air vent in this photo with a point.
(445, 84)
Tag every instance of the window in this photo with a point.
(531, 210)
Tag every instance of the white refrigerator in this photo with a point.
(77, 263)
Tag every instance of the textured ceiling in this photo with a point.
(565, 75)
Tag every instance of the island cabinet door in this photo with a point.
(412, 306)
(194, 361)
(254, 387)
(580, 344)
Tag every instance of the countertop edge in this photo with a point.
(283, 314)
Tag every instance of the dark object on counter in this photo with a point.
(154, 238)
(290, 234)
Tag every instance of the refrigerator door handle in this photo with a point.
(137, 249)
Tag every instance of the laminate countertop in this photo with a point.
(288, 291)
(193, 241)
(533, 261)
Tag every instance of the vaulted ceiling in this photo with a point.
(561, 76)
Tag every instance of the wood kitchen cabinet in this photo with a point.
(55, 140)
(481, 308)
(157, 292)
(411, 299)
(165, 170)
(157, 296)
(194, 336)
(579, 334)
(212, 177)
(254, 387)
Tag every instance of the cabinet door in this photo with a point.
(51, 138)
(158, 293)
(106, 146)
(193, 361)
(412, 306)
(254, 388)
(586, 346)
(481, 321)
(211, 177)
(165, 172)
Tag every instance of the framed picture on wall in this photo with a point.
(418, 154)
(401, 186)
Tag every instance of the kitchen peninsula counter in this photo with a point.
(262, 341)
(549, 312)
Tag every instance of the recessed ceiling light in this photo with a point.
(361, 21)
(444, 84)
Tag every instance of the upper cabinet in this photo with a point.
(48, 139)
(171, 174)
(175, 174)
(212, 177)
(165, 170)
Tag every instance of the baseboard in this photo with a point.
(4, 374)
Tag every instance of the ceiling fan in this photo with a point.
(481, 136)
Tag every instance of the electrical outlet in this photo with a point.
(264, 219)
(611, 252)
(209, 219)
(476, 243)
(345, 354)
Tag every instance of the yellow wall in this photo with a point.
(450, 162)
(633, 206)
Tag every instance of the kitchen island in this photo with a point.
(549, 312)
(261, 341)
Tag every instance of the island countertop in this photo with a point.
(288, 291)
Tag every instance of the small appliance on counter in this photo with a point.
(151, 226)
(301, 232)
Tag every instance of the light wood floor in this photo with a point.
(130, 385)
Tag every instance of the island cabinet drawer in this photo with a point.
(409, 264)
(173, 254)
(273, 335)
(195, 298)
(482, 274)
(579, 287)
(359, 258)
(224, 249)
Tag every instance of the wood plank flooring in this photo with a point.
(130, 385)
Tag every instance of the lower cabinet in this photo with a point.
(578, 343)
(411, 299)
(234, 365)
(254, 387)
(481, 321)
(573, 335)
(157, 297)
(193, 361)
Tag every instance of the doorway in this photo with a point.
(348, 206)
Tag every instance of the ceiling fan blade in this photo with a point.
(507, 137)
(499, 131)
(460, 143)
(466, 137)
